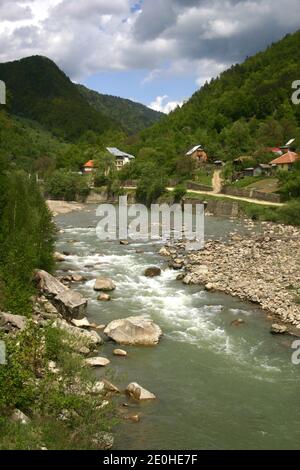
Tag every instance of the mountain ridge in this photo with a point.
(39, 90)
(137, 117)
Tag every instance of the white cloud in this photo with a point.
(197, 38)
(162, 104)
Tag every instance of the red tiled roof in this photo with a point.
(273, 149)
(89, 164)
(289, 157)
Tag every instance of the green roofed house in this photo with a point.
(122, 158)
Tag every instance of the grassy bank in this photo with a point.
(45, 379)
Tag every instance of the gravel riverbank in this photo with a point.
(263, 269)
(63, 207)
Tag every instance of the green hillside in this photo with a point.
(249, 106)
(133, 117)
(25, 144)
(40, 91)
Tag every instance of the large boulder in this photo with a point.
(104, 284)
(69, 303)
(137, 392)
(134, 331)
(152, 272)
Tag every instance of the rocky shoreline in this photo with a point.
(58, 306)
(260, 268)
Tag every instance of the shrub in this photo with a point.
(67, 186)
(179, 193)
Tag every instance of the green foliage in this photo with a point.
(26, 239)
(67, 185)
(149, 189)
(248, 107)
(63, 415)
(42, 92)
(179, 192)
(27, 145)
(133, 117)
(290, 182)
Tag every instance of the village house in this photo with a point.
(88, 167)
(285, 161)
(122, 158)
(198, 154)
(263, 169)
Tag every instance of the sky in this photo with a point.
(157, 52)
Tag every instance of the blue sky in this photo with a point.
(157, 52)
(131, 85)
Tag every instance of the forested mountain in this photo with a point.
(249, 106)
(133, 117)
(40, 91)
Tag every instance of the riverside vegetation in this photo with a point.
(47, 398)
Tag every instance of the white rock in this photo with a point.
(104, 284)
(139, 393)
(134, 331)
(120, 352)
(84, 323)
(97, 362)
(19, 417)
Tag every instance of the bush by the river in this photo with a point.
(67, 186)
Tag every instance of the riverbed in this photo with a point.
(218, 386)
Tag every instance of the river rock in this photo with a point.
(104, 298)
(209, 287)
(104, 284)
(84, 323)
(88, 338)
(19, 417)
(134, 331)
(237, 322)
(9, 322)
(110, 387)
(59, 257)
(152, 272)
(97, 362)
(69, 303)
(103, 440)
(277, 329)
(132, 418)
(120, 352)
(164, 252)
(134, 390)
(124, 242)
(78, 278)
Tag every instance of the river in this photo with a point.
(218, 386)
